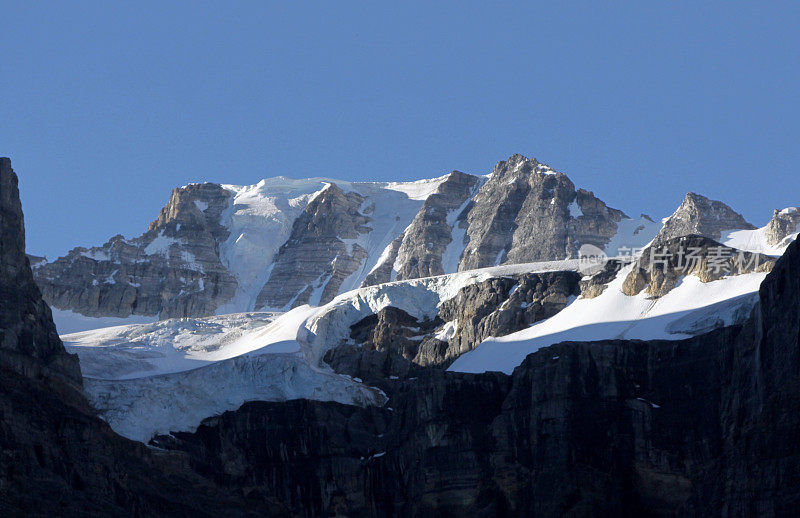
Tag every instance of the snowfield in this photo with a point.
(169, 375)
(682, 312)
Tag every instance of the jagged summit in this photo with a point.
(700, 215)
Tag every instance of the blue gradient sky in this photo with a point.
(105, 109)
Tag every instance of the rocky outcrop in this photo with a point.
(321, 252)
(701, 216)
(663, 264)
(421, 250)
(501, 306)
(173, 270)
(596, 284)
(527, 212)
(394, 344)
(784, 224)
(384, 271)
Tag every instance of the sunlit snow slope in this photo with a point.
(689, 308)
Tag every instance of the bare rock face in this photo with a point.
(311, 266)
(663, 264)
(596, 284)
(527, 212)
(173, 270)
(501, 306)
(426, 239)
(701, 216)
(383, 272)
(784, 223)
(420, 249)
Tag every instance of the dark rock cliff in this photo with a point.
(56, 457)
(29, 343)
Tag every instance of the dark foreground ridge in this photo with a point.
(702, 427)
(56, 457)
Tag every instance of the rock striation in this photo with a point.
(322, 251)
(425, 241)
(285, 242)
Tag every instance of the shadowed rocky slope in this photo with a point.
(56, 457)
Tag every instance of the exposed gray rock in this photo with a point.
(172, 270)
(383, 272)
(394, 343)
(501, 306)
(701, 216)
(385, 346)
(419, 250)
(784, 223)
(527, 212)
(315, 259)
(426, 239)
(663, 264)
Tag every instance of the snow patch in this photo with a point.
(575, 210)
(160, 245)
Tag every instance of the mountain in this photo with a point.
(539, 387)
(281, 243)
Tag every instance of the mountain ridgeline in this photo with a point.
(283, 243)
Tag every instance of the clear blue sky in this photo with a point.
(106, 107)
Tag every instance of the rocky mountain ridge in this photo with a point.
(281, 243)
